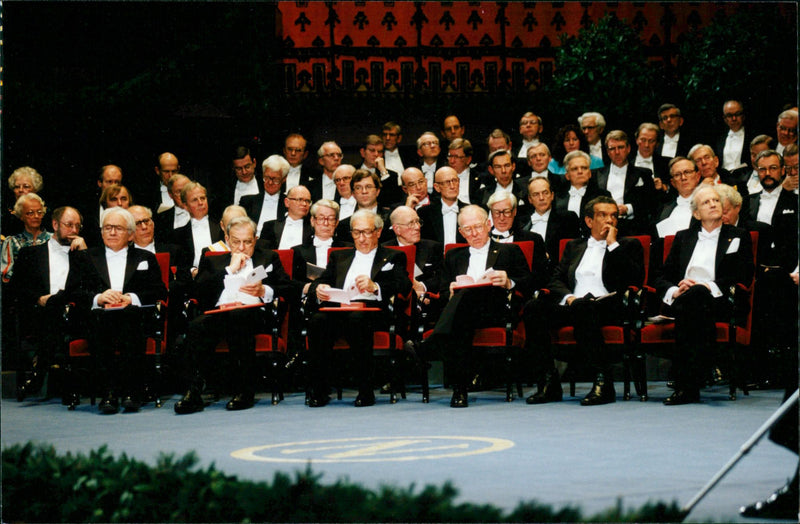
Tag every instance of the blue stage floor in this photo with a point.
(493, 452)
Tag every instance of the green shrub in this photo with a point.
(41, 486)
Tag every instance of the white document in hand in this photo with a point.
(342, 296)
(466, 280)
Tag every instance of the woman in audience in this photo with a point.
(30, 209)
(22, 181)
(568, 139)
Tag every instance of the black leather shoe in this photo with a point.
(780, 505)
(192, 402)
(459, 399)
(602, 392)
(365, 398)
(109, 405)
(241, 401)
(549, 392)
(130, 404)
(682, 396)
(318, 402)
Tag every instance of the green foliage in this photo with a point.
(602, 68)
(40, 486)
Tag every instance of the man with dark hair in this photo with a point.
(502, 167)
(732, 146)
(243, 165)
(674, 141)
(643, 155)
(748, 174)
(392, 135)
(586, 292)
(372, 153)
(459, 157)
(530, 127)
(295, 151)
(366, 188)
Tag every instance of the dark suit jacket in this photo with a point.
(428, 258)
(210, 280)
(729, 268)
(540, 261)
(433, 222)
(391, 193)
(142, 276)
(272, 231)
(782, 249)
(163, 223)
(31, 277)
(685, 143)
(388, 272)
(505, 257)
(305, 253)
(559, 225)
(184, 238)
(639, 192)
(314, 185)
(622, 267)
(520, 191)
(660, 164)
(253, 204)
(561, 201)
(343, 229)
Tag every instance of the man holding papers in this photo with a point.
(585, 292)
(228, 287)
(369, 274)
(501, 268)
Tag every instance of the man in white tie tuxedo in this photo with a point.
(593, 124)
(415, 187)
(676, 213)
(293, 229)
(732, 146)
(530, 127)
(295, 152)
(601, 266)
(392, 135)
(786, 129)
(440, 218)
(705, 261)
(673, 142)
(269, 205)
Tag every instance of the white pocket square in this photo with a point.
(269, 268)
(788, 211)
(639, 183)
(387, 267)
(142, 266)
(734, 247)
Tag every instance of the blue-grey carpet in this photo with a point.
(494, 452)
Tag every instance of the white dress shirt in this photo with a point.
(701, 267)
(321, 248)
(269, 209)
(347, 206)
(754, 183)
(575, 197)
(293, 177)
(116, 262)
(393, 161)
(596, 149)
(616, 186)
(151, 247)
(589, 274)
(523, 151)
(292, 233)
(166, 200)
(328, 188)
(450, 222)
(732, 152)
(59, 264)
(181, 218)
(244, 188)
(767, 204)
(477, 261)
(201, 237)
(463, 186)
(429, 170)
(539, 222)
(361, 265)
(646, 163)
(670, 147)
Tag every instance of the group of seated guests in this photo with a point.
(222, 246)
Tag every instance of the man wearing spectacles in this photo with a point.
(676, 213)
(406, 225)
(244, 167)
(459, 157)
(113, 282)
(322, 184)
(776, 206)
(295, 228)
(237, 325)
(674, 140)
(374, 274)
(440, 219)
(366, 188)
(38, 285)
(593, 124)
(733, 145)
(415, 187)
(502, 167)
(392, 135)
(530, 128)
(470, 308)
(707, 163)
(428, 151)
(786, 129)
(295, 151)
(270, 204)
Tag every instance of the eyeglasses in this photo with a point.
(26, 187)
(273, 180)
(588, 128)
(413, 223)
(456, 157)
(389, 133)
(420, 183)
(684, 174)
(448, 182)
(790, 130)
(305, 201)
(364, 188)
(791, 169)
(242, 169)
(342, 179)
(737, 114)
(362, 232)
(469, 230)
(325, 219)
(37, 213)
(333, 155)
(116, 229)
(144, 222)
(502, 212)
(430, 143)
(771, 169)
(71, 225)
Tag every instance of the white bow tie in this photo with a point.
(274, 197)
(577, 192)
(450, 209)
(770, 196)
(706, 235)
(536, 219)
(503, 234)
(597, 243)
(322, 243)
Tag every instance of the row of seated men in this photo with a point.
(117, 279)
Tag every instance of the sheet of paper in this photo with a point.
(342, 296)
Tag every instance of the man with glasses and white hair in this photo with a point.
(114, 282)
(593, 124)
(369, 273)
(269, 205)
(786, 129)
(329, 156)
(406, 225)
(38, 286)
(440, 219)
(429, 150)
(415, 187)
(237, 325)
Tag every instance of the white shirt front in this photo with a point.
(151, 247)
(181, 218)
(59, 264)
(201, 236)
(244, 188)
(732, 152)
(429, 170)
(347, 206)
(328, 188)
(589, 274)
(767, 204)
(701, 267)
(393, 161)
(293, 177)
(450, 222)
(116, 262)
(463, 186)
(596, 149)
(292, 233)
(754, 183)
(539, 222)
(670, 147)
(361, 265)
(523, 151)
(575, 198)
(646, 163)
(477, 261)
(321, 248)
(269, 209)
